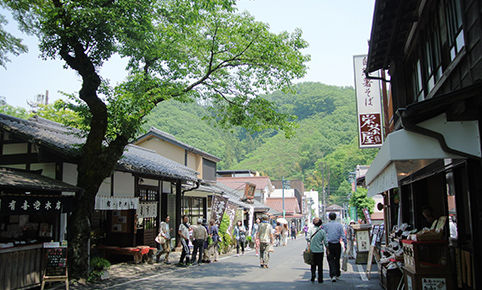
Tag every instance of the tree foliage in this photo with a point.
(360, 200)
(9, 44)
(18, 112)
(176, 49)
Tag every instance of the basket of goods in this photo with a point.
(429, 235)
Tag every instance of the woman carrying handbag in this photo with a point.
(316, 240)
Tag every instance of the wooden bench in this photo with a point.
(138, 252)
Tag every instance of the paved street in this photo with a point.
(287, 271)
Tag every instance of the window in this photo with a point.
(209, 170)
(440, 39)
(147, 193)
(193, 208)
(453, 18)
(417, 82)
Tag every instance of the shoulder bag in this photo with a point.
(307, 253)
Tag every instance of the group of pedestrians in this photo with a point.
(327, 237)
(205, 241)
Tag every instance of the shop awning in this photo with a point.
(405, 152)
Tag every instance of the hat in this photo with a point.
(200, 220)
(352, 222)
(264, 217)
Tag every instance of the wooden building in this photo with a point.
(432, 51)
(39, 157)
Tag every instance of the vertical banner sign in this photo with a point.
(231, 212)
(218, 206)
(367, 216)
(369, 109)
(250, 220)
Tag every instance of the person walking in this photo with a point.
(184, 238)
(305, 229)
(254, 236)
(277, 234)
(165, 244)
(334, 233)
(206, 251)
(293, 231)
(199, 236)
(350, 236)
(214, 232)
(284, 234)
(317, 241)
(265, 236)
(240, 236)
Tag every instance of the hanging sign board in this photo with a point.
(218, 206)
(369, 109)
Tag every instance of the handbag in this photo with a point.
(270, 248)
(308, 256)
(344, 264)
(160, 239)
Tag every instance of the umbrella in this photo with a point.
(282, 220)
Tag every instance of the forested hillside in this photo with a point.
(325, 139)
(326, 136)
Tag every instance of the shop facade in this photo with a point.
(432, 152)
(143, 187)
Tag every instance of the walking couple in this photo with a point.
(328, 236)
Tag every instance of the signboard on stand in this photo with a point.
(56, 266)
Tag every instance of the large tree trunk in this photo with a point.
(92, 171)
(96, 164)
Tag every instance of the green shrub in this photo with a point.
(227, 240)
(97, 266)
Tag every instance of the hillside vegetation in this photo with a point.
(325, 138)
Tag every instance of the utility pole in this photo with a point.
(284, 184)
(283, 194)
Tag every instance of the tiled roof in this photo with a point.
(171, 139)
(67, 141)
(238, 183)
(291, 204)
(29, 181)
(235, 198)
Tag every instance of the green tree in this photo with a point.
(360, 200)
(18, 112)
(9, 44)
(177, 49)
(59, 112)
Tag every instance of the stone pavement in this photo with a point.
(128, 271)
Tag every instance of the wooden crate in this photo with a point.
(426, 256)
(390, 278)
(416, 281)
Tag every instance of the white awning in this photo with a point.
(404, 152)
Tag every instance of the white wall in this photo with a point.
(278, 193)
(69, 173)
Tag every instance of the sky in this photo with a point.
(335, 30)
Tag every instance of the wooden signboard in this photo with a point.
(373, 251)
(56, 266)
